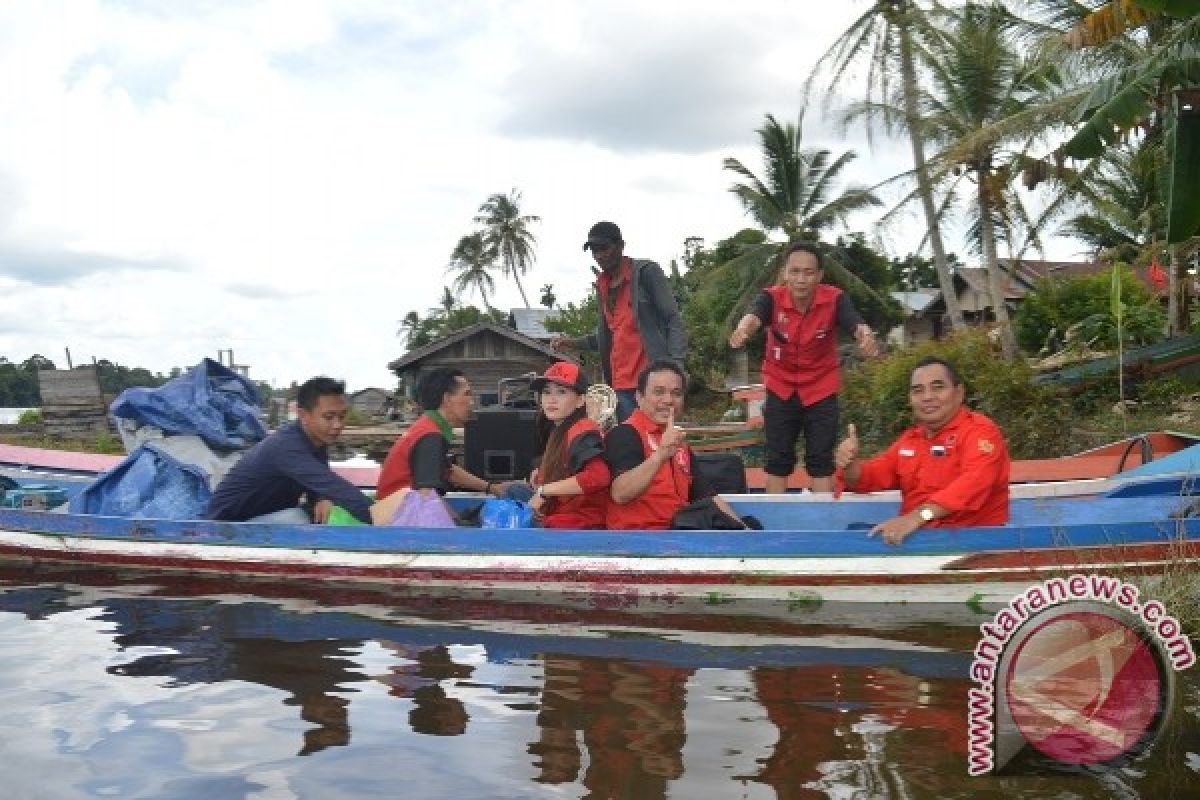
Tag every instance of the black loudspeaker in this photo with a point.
(725, 471)
(499, 444)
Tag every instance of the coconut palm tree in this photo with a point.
(893, 37)
(1156, 87)
(410, 326)
(506, 232)
(472, 260)
(1121, 207)
(979, 79)
(798, 197)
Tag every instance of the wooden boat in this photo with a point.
(809, 554)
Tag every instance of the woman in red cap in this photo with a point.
(572, 481)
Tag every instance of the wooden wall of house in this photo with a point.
(371, 401)
(485, 358)
(72, 403)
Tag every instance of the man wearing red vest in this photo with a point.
(653, 472)
(420, 459)
(951, 467)
(800, 366)
(639, 319)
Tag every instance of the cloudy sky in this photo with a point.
(287, 178)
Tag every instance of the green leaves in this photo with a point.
(1176, 8)
(1183, 183)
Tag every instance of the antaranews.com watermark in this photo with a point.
(1067, 667)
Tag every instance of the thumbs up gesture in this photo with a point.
(847, 451)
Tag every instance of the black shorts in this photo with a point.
(783, 422)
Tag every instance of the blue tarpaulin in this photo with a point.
(149, 483)
(210, 401)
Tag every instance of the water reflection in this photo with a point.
(419, 677)
(630, 716)
(354, 702)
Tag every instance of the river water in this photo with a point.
(128, 686)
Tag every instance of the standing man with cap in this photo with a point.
(639, 318)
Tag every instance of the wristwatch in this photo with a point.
(926, 514)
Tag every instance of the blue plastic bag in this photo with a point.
(210, 401)
(150, 484)
(503, 513)
(420, 510)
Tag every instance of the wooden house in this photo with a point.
(488, 354)
(372, 402)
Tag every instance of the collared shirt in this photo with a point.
(628, 357)
(276, 472)
(963, 468)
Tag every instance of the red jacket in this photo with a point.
(963, 468)
(801, 356)
(396, 473)
(668, 491)
(585, 510)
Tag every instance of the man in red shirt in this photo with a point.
(639, 318)
(653, 473)
(951, 467)
(802, 317)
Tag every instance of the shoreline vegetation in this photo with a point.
(1038, 421)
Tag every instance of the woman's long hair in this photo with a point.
(552, 440)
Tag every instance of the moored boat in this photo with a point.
(808, 554)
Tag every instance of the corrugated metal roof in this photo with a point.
(917, 301)
(532, 321)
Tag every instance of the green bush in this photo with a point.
(1161, 394)
(30, 416)
(1057, 304)
(1034, 418)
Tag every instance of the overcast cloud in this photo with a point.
(287, 178)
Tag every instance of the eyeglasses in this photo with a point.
(601, 247)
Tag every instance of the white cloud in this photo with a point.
(287, 178)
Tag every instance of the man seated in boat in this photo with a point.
(951, 466)
(420, 459)
(654, 475)
(293, 463)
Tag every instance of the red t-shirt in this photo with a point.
(963, 468)
(628, 356)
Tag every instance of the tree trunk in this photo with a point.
(924, 189)
(517, 277)
(1178, 322)
(1008, 341)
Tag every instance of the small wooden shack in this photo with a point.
(72, 404)
(487, 353)
(372, 402)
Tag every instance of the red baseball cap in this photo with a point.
(563, 373)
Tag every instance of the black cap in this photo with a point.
(603, 233)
